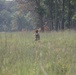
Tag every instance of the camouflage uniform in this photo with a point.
(37, 36)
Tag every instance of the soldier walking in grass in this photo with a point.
(37, 35)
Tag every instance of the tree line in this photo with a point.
(31, 14)
(11, 19)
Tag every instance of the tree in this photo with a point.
(49, 4)
(5, 20)
(63, 9)
(56, 15)
(69, 14)
(2, 5)
(40, 12)
(37, 8)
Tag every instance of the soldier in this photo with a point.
(37, 35)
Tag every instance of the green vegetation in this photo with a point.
(54, 54)
(19, 15)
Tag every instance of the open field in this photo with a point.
(54, 54)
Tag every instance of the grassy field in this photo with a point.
(54, 54)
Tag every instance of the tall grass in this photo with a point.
(54, 54)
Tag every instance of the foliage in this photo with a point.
(40, 10)
(59, 14)
(74, 17)
(11, 18)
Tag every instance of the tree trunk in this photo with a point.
(69, 14)
(63, 7)
(51, 15)
(19, 23)
(40, 15)
(56, 15)
(41, 22)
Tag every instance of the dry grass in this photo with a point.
(54, 54)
